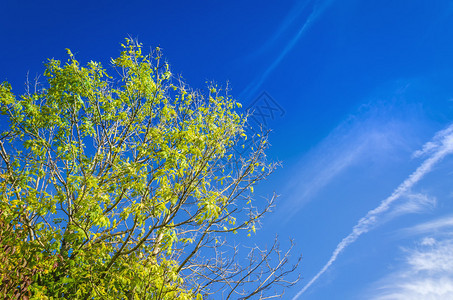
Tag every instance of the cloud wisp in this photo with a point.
(287, 22)
(362, 139)
(426, 274)
(428, 227)
(413, 203)
(438, 148)
(427, 269)
(318, 9)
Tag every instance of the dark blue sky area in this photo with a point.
(363, 85)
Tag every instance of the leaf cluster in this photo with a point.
(120, 186)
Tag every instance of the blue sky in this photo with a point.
(363, 99)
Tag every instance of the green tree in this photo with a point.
(129, 187)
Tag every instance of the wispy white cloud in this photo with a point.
(428, 241)
(413, 203)
(292, 16)
(436, 142)
(443, 142)
(427, 273)
(319, 168)
(365, 139)
(430, 227)
(318, 8)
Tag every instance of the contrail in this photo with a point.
(292, 16)
(256, 84)
(441, 146)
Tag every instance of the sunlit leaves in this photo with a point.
(118, 175)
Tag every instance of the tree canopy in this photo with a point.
(128, 186)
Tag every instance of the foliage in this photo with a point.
(19, 261)
(128, 188)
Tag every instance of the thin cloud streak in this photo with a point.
(320, 172)
(292, 16)
(427, 274)
(252, 88)
(361, 139)
(414, 203)
(443, 142)
(431, 226)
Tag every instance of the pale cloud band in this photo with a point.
(427, 271)
(362, 139)
(429, 227)
(440, 146)
(318, 9)
(426, 274)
